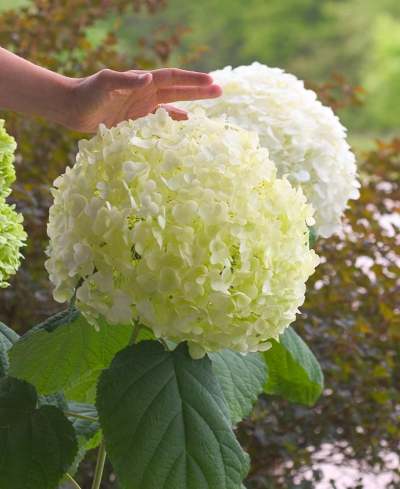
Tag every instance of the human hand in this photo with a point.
(106, 97)
(110, 97)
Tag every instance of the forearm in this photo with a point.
(30, 89)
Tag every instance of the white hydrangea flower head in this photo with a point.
(304, 138)
(184, 227)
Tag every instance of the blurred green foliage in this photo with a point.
(311, 38)
(384, 80)
(352, 314)
(10, 4)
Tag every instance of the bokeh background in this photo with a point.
(349, 52)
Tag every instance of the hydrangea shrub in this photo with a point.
(305, 139)
(184, 256)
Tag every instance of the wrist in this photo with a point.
(65, 106)
(33, 90)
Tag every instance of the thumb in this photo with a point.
(125, 80)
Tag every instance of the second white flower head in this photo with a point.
(304, 138)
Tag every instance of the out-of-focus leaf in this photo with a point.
(37, 445)
(293, 372)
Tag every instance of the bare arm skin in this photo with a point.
(106, 97)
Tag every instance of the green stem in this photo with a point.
(73, 481)
(101, 459)
(135, 333)
(80, 416)
(73, 298)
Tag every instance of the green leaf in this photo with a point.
(293, 371)
(59, 319)
(144, 334)
(242, 378)
(7, 338)
(8, 334)
(165, 421)
(36, 445)
(67, 354)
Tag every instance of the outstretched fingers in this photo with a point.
(174, 94)
(169, 77)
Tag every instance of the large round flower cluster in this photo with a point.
(304, 138)
(185, 227)
(12, 234)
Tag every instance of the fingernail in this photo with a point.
(216, 89)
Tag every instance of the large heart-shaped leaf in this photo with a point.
(242, 378)
(67, 354)
(293, 371)
(7, 338)
(36, 445)
(165, 421)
